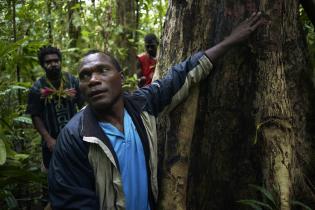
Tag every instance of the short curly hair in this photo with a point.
(151, 38)
(112, 58)
(47, 50)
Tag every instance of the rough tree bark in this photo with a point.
(259, 92)
(126, 18)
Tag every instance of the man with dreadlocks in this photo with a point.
(52, 100)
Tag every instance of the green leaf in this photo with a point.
(76, 6)
(9, 199)
(20, 156)
(250, 203)
(18, 87)
(24, 85)
(11, 202)
(298, 203)
(255, 203)
(11, 174)
(3, 152)
(13, 88)
(23, 119)
(266, 193)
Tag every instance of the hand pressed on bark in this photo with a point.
(239, 34)
(245, 28)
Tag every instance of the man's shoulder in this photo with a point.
(40, 80)
(39, 83)
(71, 80)
(71, 133)
(75, 122)
(137, 99)
(70, 140)
(70, 76)
(142, 55)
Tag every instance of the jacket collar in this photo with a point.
(91, 128)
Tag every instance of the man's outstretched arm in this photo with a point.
(164, 94)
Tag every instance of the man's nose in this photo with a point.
(95, 78)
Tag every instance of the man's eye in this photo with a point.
(104, 70)
(84, 76)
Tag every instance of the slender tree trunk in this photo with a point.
(50, 22)
(108, 23)
(208, 150)
(18, 72)
(13, 19)
(126, 18)
(137, 21)
(74, 31)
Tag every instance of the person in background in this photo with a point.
(53, 100)
(147, 60)
(106, 156)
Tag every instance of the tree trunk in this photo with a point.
(107, 23)
(18, 71)
(74, 31)
(126, 18)
(259, 92)
(50, 22)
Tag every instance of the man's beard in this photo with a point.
(53, 73)
(152, 54)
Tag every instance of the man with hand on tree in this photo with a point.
(106, 156)
(53, 100)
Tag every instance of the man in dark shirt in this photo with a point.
(53, 100)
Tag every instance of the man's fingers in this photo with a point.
(254, 18)
(258, 23)
(249, 18)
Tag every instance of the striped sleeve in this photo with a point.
(165, 94)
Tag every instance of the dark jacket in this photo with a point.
(84, 171)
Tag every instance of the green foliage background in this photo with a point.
(25, 26)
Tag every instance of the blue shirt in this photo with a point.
(130, 154)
